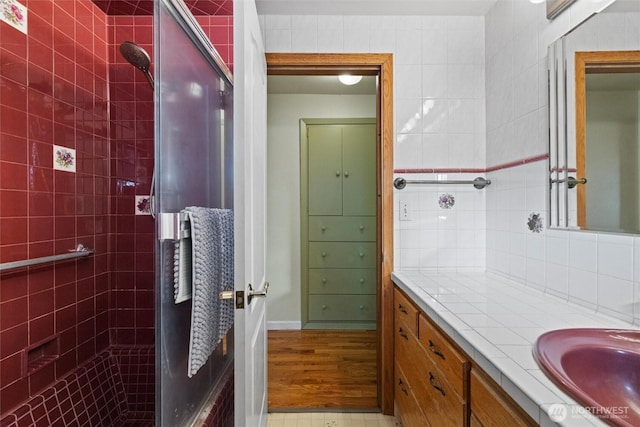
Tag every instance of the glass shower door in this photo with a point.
(194, 167)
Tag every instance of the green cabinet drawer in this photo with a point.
(342, 255)
(342, 281)
(342, 307)
(342, 229)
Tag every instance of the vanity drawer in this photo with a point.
(339, 228)
(448, 360)
(342, 255)
(342, 307)
(442, 406)
(405, 311)
(342, 281)
(409, 409)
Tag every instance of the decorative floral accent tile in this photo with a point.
(14, 14)
(64, 159)
(446, 201)
(534, 223)
(143, 205)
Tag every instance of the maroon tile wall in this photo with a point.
(145, 7)
(53, 90)
(219, 29)
(132, 236)
(55, 85)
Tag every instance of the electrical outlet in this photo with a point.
(405, 212)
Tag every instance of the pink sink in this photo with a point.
(599, 368)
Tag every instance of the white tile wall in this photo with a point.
(599, 271)
(439, 105)
(471, 92)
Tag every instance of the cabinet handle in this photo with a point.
(432, 381)
(402, 388)
(402, 333)
(402, 310)
(435, 350)
(323, 254)
(338, 173)
(346, 174)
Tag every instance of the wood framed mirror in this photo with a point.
(607, 95)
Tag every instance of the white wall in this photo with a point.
(601, 271)
(283, 188)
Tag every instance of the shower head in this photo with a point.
(138, 57)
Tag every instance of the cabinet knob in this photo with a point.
(338, 173)
(361, 254)
(323, 254)
(362, 280)
(361, 227)
(324, 307)
(323, 280)
(323, 228)
(346, 174)
(362, 307)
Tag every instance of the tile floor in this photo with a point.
(331, 419)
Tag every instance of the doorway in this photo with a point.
(380, 66)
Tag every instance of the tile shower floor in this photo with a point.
(331, 419)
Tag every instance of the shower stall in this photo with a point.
(92, 159)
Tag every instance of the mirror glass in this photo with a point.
(594, 105)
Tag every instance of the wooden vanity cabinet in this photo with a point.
(436, 384)
(433, 377)
(492, 407)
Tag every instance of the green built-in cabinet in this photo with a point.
(339, 224)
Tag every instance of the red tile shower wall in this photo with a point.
(132, 136)
(132, 145)
(219, 29)
(53, 90)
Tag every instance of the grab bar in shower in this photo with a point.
(478, 183)
(79, 252)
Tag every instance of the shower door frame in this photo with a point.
(192, 394)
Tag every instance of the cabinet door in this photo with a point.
(359, 169)
(325, 170)
(491, 407)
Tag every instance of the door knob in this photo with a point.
(262, 293)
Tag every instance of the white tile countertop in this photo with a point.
(497, 321)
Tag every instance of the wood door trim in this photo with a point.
(380, 64)
(623, 61)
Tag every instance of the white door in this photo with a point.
(250, 130)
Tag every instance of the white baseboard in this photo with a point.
(275, 325)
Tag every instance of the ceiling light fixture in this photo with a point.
(537, 1)
(348, 79)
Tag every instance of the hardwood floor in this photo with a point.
(322, 369)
